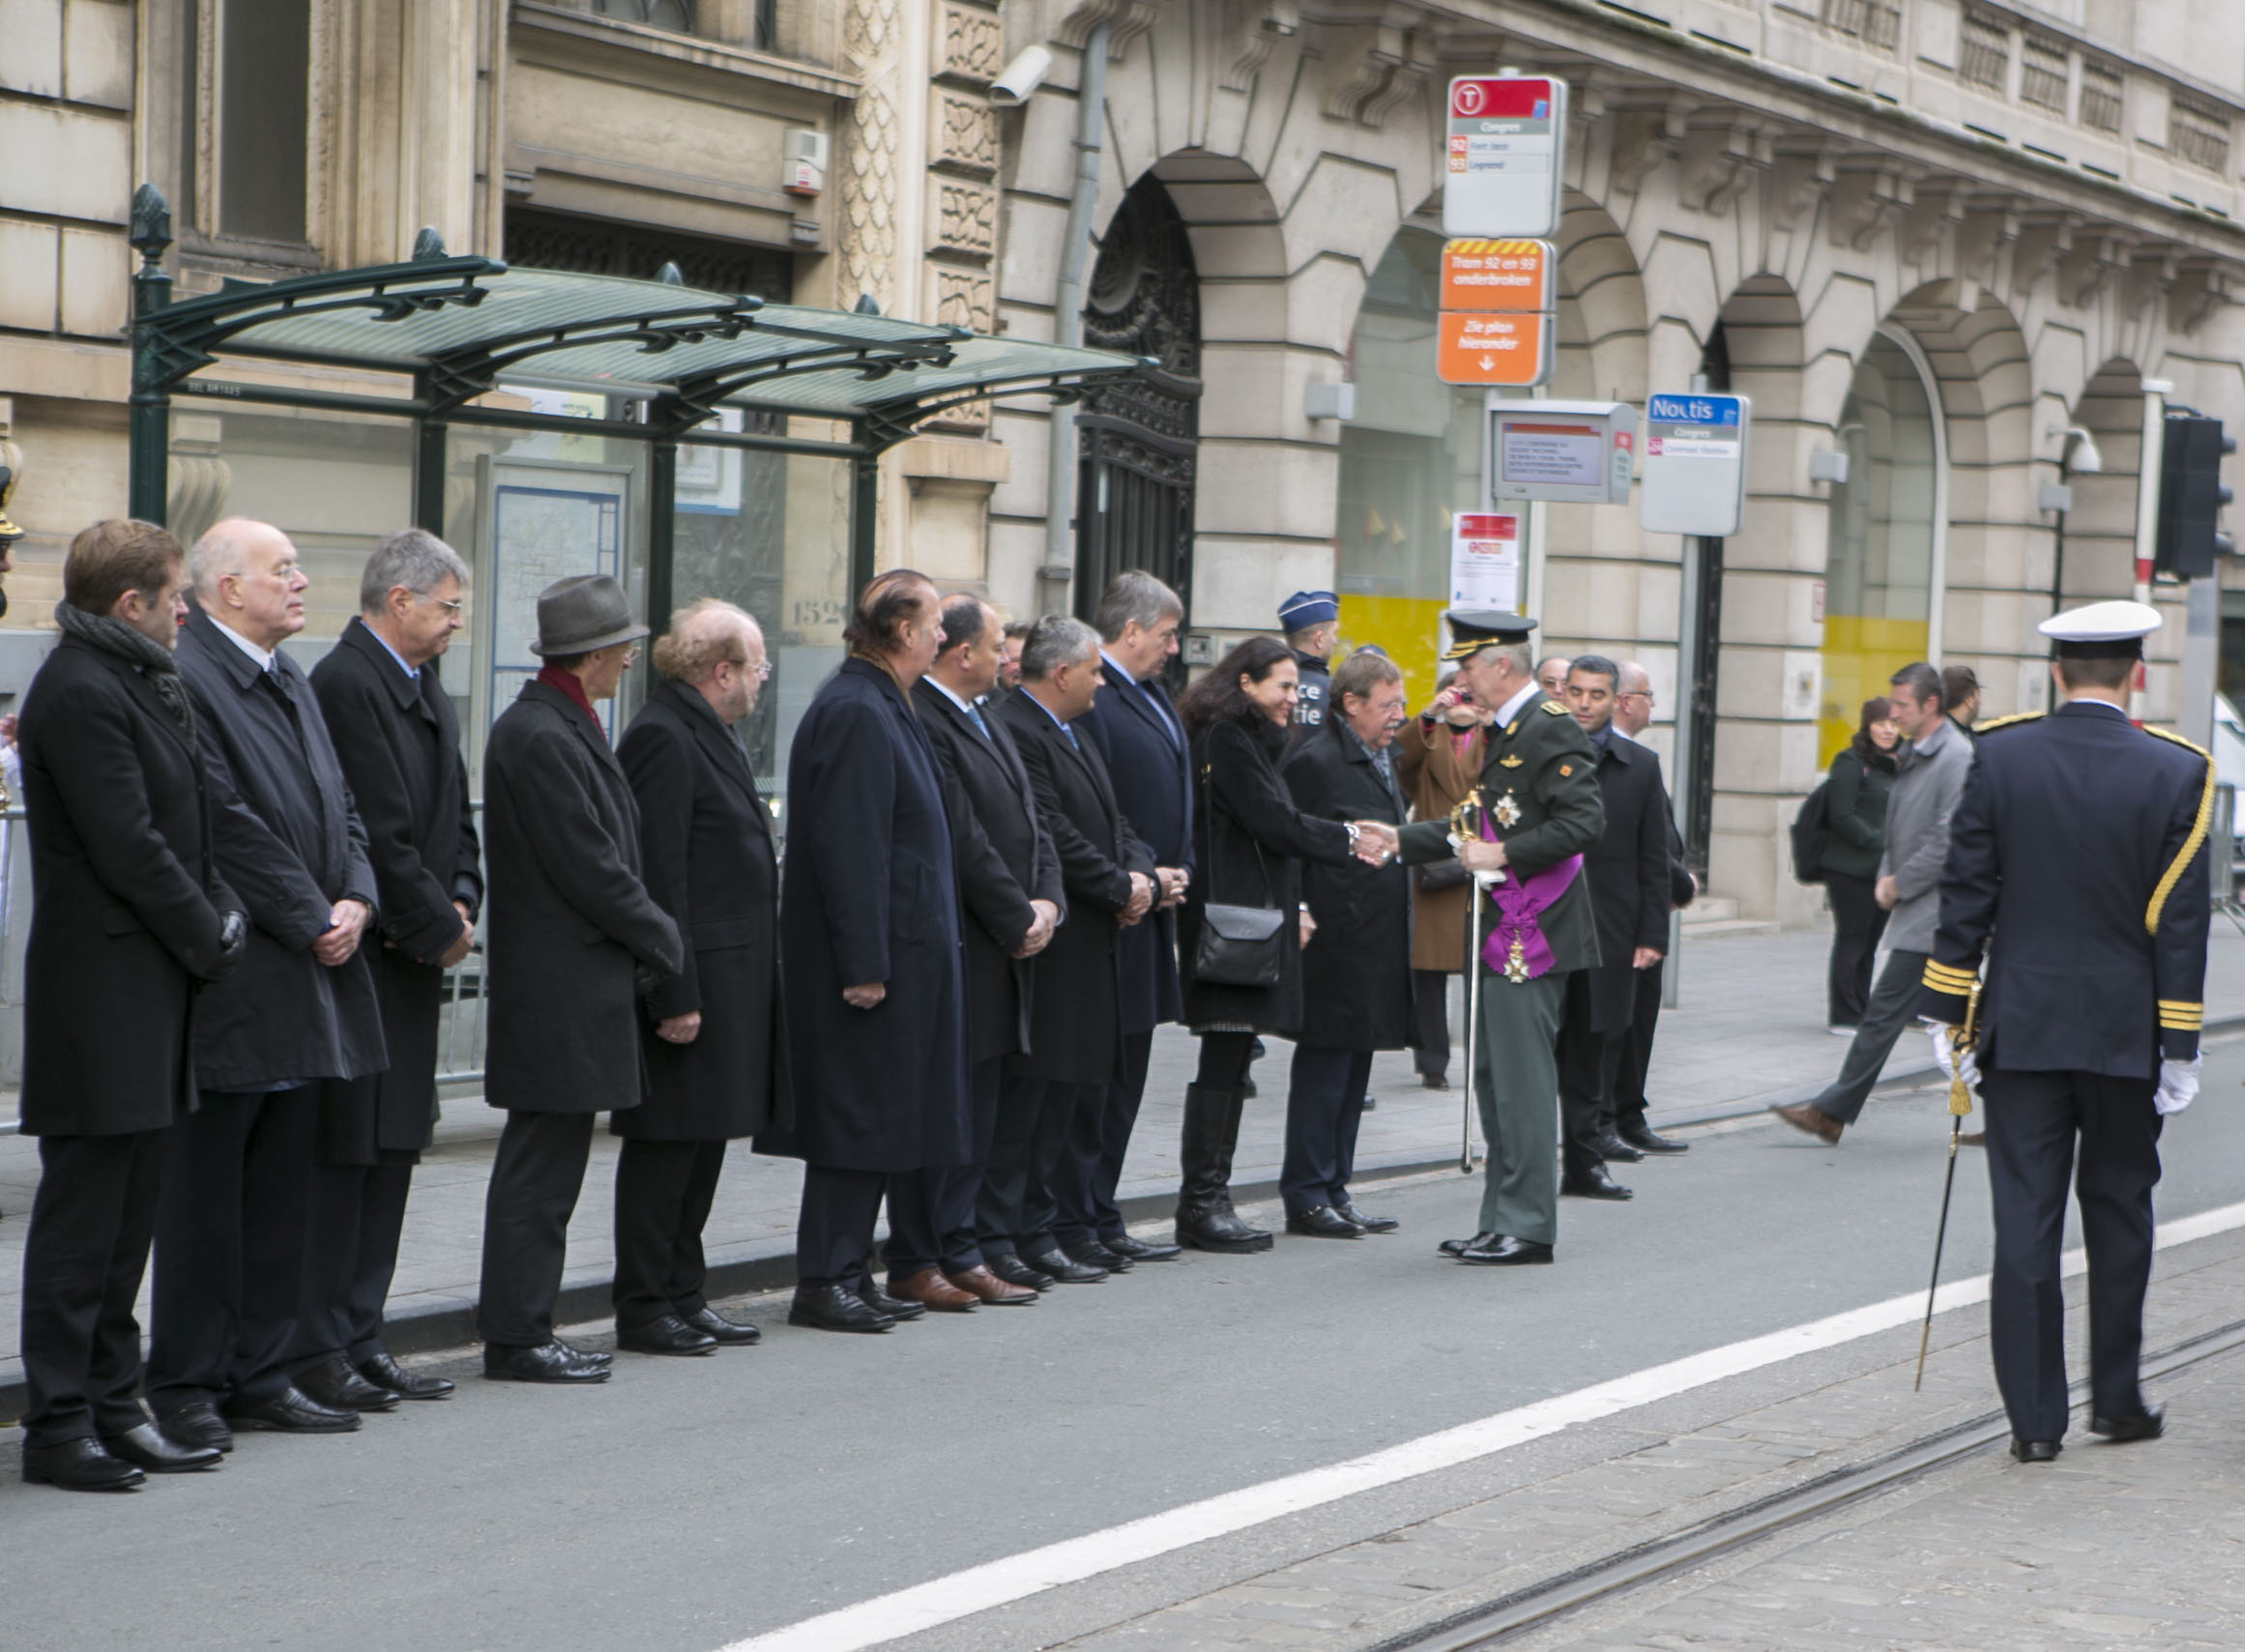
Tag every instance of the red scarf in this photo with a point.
(567, 682)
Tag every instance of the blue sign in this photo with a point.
(1716, 410)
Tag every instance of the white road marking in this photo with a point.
(999, 1582)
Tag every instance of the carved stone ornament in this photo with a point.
(1252, 32)
(2200, 289)
(1798, 182)
(1865, 201)
(1646, 140)
(965, 217)
(1723, 158)
(965, 135)
(970, 45)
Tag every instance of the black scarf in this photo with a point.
(152, 659)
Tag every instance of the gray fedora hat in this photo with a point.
(584, 612)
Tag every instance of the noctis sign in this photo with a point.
(1501, 168)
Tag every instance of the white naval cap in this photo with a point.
(2111, 629)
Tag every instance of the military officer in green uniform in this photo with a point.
(1539, 808)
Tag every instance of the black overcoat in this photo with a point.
(1355, 972)
(1628, 869)
(706, 845)
(1004, 858)
(1244, 808)
(399, 742)
(126, 899)
(1076, 1023)
(1142, 740)
(571, 925)
(289, 841)
(868, 893)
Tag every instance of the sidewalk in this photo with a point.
(1748, 1033)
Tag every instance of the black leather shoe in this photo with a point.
(895, 1307)
(145, 1447)
(1371, 1104)
(1218, 1228)
(1014, 1271)
(1646, 1140)
(1594, 1183)
(834, 1308)
(1613, 1150)
(730, 1333)
(1459, 1247)
(384, 1371)
(1065, 1270)
(78, 1465)
(196, 1425)
(334, 1384)
(1504, 1251)
(1323, 1221)
(668, 1334)
(291, 1411)
(2033, 1450)
(549, 1361)
(1094, 1253)
(2144, 1425)
(1142, 1250)
(1434, 1080)
(1346, 1208)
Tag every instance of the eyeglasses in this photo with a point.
(763, 670)
(450, 605)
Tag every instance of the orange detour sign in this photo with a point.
(1512, 276)
(1494, 349)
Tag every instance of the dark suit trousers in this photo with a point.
(1858, 920)
(91, 1223)
(2032, 1120)
(1636, 1060)
(1430, 992)
(663, 1193)
(931, 1212)
(1325, 1103)
(1090, 1162)
(1015, 1212)
(834, 1229)
(535, 1177)
(1892, 1011)
(358, 1213)
(230, 1234)
(1588, 1062)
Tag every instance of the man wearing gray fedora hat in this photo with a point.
(571, 933)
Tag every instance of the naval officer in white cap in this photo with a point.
(2078, 870)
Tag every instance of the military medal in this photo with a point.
(1516, 963)
(1508, 761)
(1508, 811)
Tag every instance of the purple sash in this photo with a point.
(1514, 946)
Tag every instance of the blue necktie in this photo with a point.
(1073, 743)
(981, 727)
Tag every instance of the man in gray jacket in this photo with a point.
(1928, 780)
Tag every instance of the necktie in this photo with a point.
(981, 727)
(1074, 744)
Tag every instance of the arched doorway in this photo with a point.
(1137, 441)
(1884, 544)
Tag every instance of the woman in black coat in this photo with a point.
(1356, 979)
(869, 945)
(1247, 838)
(1855, 793)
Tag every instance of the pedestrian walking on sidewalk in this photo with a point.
(1929, 779)
(2094, 936)
(1855, 789)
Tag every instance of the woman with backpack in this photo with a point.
(1855, 795)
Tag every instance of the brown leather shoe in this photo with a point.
(980, 1282)
(931, 1288)
(1822, 1126)
(1973, 1138)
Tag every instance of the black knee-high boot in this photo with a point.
(1205, 1218)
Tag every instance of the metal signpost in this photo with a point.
(1695, 464)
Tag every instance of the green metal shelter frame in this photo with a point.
(456, 326)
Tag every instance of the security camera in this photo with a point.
(1020, 78)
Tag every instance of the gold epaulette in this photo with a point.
(2189, 843)
(1995, 723)
(1553, 709)
(2176, 1016)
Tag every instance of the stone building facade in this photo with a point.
(1929, 237)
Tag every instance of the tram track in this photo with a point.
(1614, 1576)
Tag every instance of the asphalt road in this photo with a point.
(691, 1502)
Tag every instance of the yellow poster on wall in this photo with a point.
(1407, 629)
(1861, 651)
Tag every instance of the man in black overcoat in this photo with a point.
(231, 1233)
(1357, 983)
(129, 913)
(870, 948)
(398, 740)
(1628, 873)
(573, 940)
(1010, 885)
(1075, 1038)
(714, 1034)
(1142, 741)
(1632, 712)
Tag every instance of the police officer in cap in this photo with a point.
(1540, 808)
(1311, 622)
(2078, 869)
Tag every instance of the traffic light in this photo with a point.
(2191, 497)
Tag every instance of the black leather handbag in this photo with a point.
(1239, 946)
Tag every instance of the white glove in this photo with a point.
(2178, 1085)
(1953, 1066)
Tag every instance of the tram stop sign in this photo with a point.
(1502, 169)
(1695, 464)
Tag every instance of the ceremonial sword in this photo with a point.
(1961, 1042)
